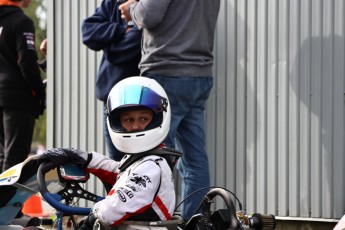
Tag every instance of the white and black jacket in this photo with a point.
(142, 191)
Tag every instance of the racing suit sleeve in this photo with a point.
(103, 167)
(103, 27)
(148, 13)
(133, 194)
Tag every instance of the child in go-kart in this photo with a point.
(143, 188)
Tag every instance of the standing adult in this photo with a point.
(121, 44)
(178, 39)
(22, 93)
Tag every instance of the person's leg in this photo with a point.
(18, 133)
(112, 151)
(2, 155)
(171, 87)
(194, 166)
(187, 96)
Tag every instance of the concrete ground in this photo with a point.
(304, 225)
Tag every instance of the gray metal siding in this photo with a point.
(275, 117)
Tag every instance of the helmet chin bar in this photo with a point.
(137, 142)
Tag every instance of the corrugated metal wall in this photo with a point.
(275, 118)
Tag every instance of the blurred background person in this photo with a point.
(120, 42)
(22, 93)
(177, 46)
(43, 48)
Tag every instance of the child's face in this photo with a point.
(135, 120)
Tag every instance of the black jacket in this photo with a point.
(20, 81)
(105, 30)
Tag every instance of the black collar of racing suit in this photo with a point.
(169, 154)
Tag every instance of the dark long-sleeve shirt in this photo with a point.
(20, 79)
(105, 30)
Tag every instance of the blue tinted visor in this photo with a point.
(137, 95)
(132, 97)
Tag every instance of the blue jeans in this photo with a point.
(187, 96)
(112, 151)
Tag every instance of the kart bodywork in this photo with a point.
(23, 180)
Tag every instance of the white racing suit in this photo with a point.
(142, 191)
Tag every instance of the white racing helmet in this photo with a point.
(135, 93)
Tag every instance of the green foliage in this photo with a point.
(40, 34)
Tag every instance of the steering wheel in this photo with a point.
(221, 219)
(233, 221)
(72, 189)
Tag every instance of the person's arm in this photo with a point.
(27, 61)
(99, 165)
(103, 167)
(128, 49)
(103, 27)
(27, 55)
(145, 13)
(43, 47)
(131, 196)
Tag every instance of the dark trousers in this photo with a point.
(16, 132)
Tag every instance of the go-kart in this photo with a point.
(18, 183)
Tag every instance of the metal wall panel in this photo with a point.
(275, 117)
(74, 116)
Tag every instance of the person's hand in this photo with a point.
(124, 8)
(89, 222)
(128, 29)
(40, 95)
(43, 47)
(60, 156)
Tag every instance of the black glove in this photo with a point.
(88, 222)
(60, 156)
